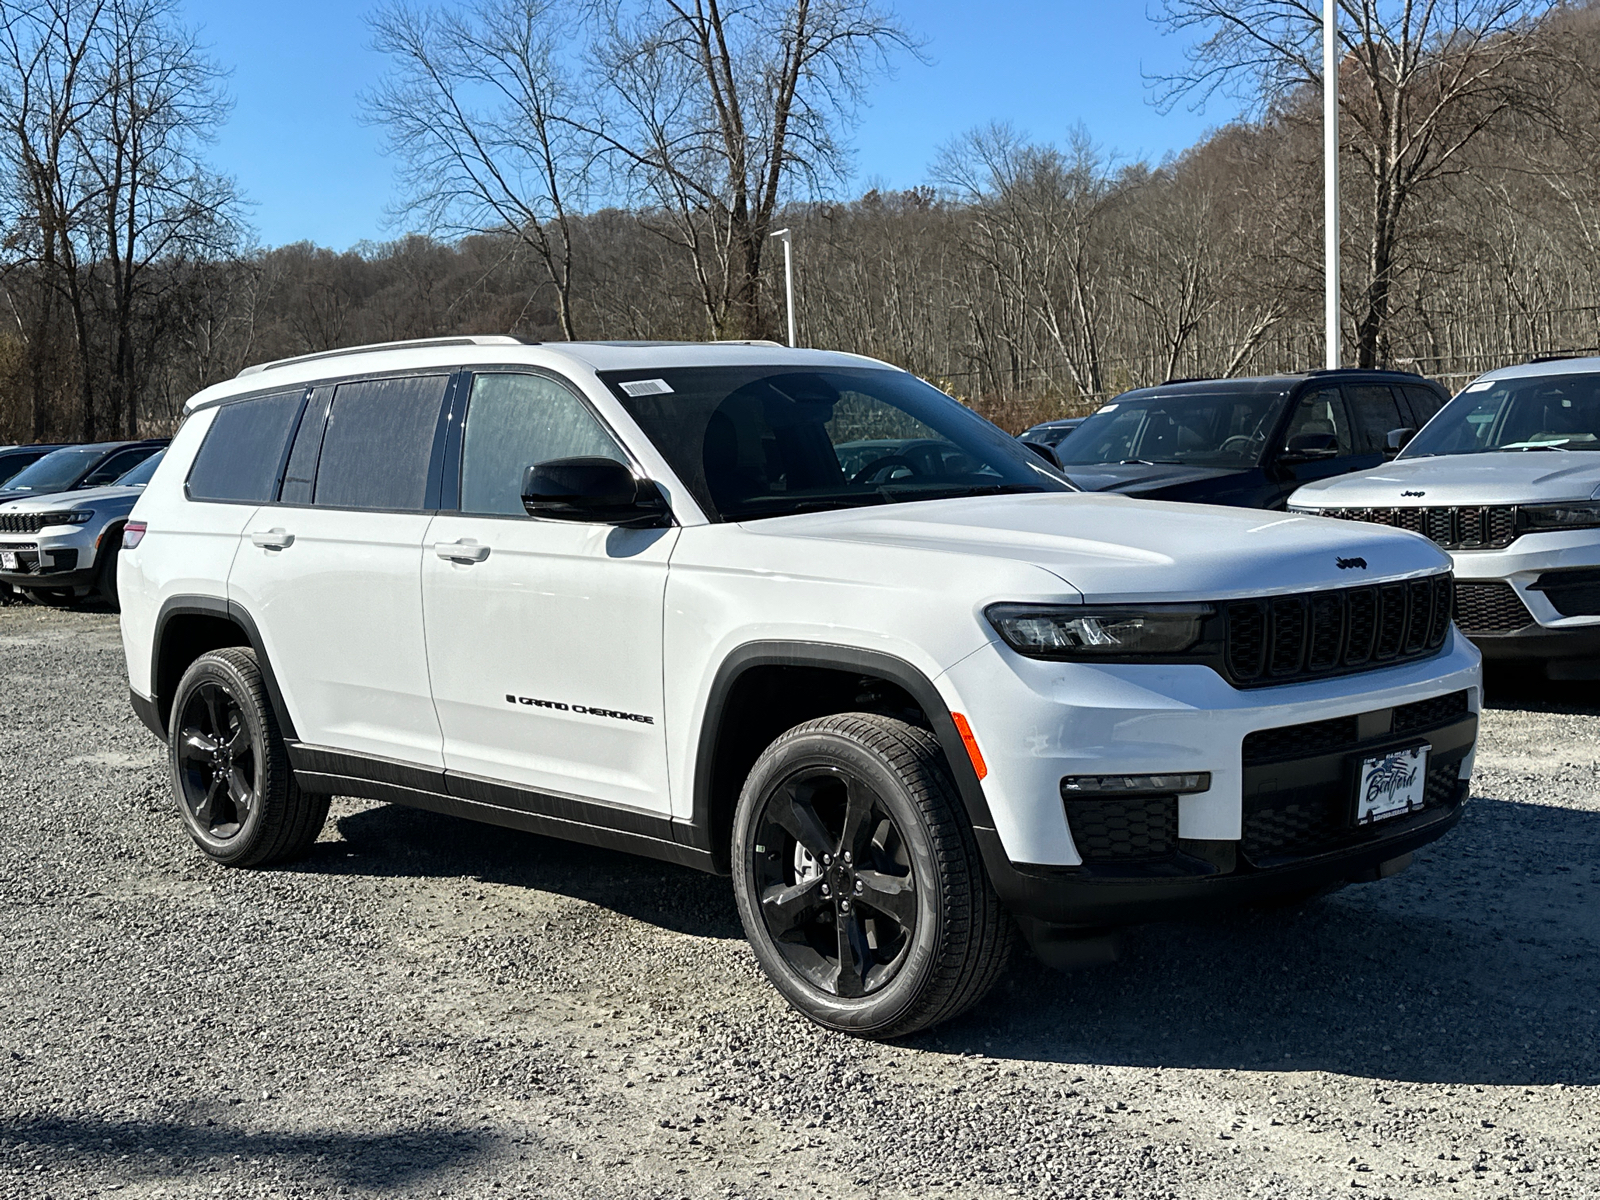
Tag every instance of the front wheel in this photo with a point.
(858, 879)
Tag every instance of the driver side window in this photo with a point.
(515, 421)
(1321, 412)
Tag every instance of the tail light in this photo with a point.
(133, 534)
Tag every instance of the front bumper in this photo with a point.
(55, 557)
(1515, 619)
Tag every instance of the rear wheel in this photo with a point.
(235, 790)
(859, 882)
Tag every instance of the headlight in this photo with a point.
(1575, 514)
(1081, 632)
(78, 516)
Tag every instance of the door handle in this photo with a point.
(461, 552)
(273, 539)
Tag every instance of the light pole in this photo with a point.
(1330, 173)
(788, 276)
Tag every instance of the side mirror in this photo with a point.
(1044, 452)
(1309, 447)
(598, 491)
(1396, 440)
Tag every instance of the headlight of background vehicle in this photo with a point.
(1098, 632)
(78, 516)
(1574, 514)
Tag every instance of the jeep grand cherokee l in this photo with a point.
(628, 594)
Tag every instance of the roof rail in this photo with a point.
(471, 339)
(1188, 379)
(1362, 371)
(1562, 355)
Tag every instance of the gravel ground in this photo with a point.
(429, 1007)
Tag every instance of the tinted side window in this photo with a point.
(1424, 402)
(117, 466)
(1376, 413)
(379, 442)
(243, 450)
(1321, 412)
(514, 421)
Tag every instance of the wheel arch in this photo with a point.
(815, 677)
(187, 627)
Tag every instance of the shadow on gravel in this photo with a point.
(1515, 689)
(130, 1150)
(392, 840)
(1479, 966)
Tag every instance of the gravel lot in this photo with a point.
(428, 1007)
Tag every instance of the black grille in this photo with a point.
(1343, 733)
(1310, 823)
(1490, 608)
(1323, 633)
(1124, 829)
(1572, 593)
(1473, 527)
(22, 522)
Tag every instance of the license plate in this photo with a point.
(1392, 784)
(8, 560)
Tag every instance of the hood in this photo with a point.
(1510, 477)
(1134, 479)
(1114, 548)
(101, 497)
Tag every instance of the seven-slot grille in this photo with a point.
(1459, 527)
(1304, 636)
(22, 522)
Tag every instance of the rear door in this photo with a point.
(544, 637)
(331, 572)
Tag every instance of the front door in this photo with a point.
(331, 573)
(544, 637)
(1321, 411)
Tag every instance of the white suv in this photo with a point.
(1507, 478)
(628, 594)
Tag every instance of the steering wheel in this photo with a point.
(877, 465)
(1237, 444)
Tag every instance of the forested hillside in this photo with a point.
(1034, 274)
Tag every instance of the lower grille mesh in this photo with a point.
(1490, 608)
(1124, 829)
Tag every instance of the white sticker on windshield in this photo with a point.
(646, 387)
(1483, 385)
(1107, 408)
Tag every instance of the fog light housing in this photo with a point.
(1176, 783)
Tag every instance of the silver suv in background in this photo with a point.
(63, 547)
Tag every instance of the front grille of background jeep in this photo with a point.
(1287, 638)
(1457, 527)
(22, 522)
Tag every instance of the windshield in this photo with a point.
(140, 475)
(1224, 428)
(1544, 412)
(767, 441)
(56, 471)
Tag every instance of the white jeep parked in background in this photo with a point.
(1506, 477)
(631, 595)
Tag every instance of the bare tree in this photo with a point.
(717, 111)
(1420, 81)
(483, 116)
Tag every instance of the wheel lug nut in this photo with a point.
(825, 890)
(844, 906)
(858, 887)
(847, 856)
(827, 860)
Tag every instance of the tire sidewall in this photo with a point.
(213, 668)
(882, 1009)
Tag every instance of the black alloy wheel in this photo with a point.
(838, 894)
(859, 881)
(235, 789)
(217, 756)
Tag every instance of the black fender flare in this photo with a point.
(843, 658)
(229, 610)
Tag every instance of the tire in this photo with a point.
(51, 597)
(910, 901)
(231, 777)
(105, 577)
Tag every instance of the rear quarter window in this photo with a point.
(243, 450)
(378, 444)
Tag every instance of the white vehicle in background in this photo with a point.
(1507, 479)
(789, 615)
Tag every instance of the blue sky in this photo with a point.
(297, 146)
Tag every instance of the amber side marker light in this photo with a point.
(971, 743)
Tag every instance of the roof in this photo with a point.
(1273, 383)
(579, 358)
(1551, 366)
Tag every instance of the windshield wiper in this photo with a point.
(1149, 462)
(903, 492)
(811, 504)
